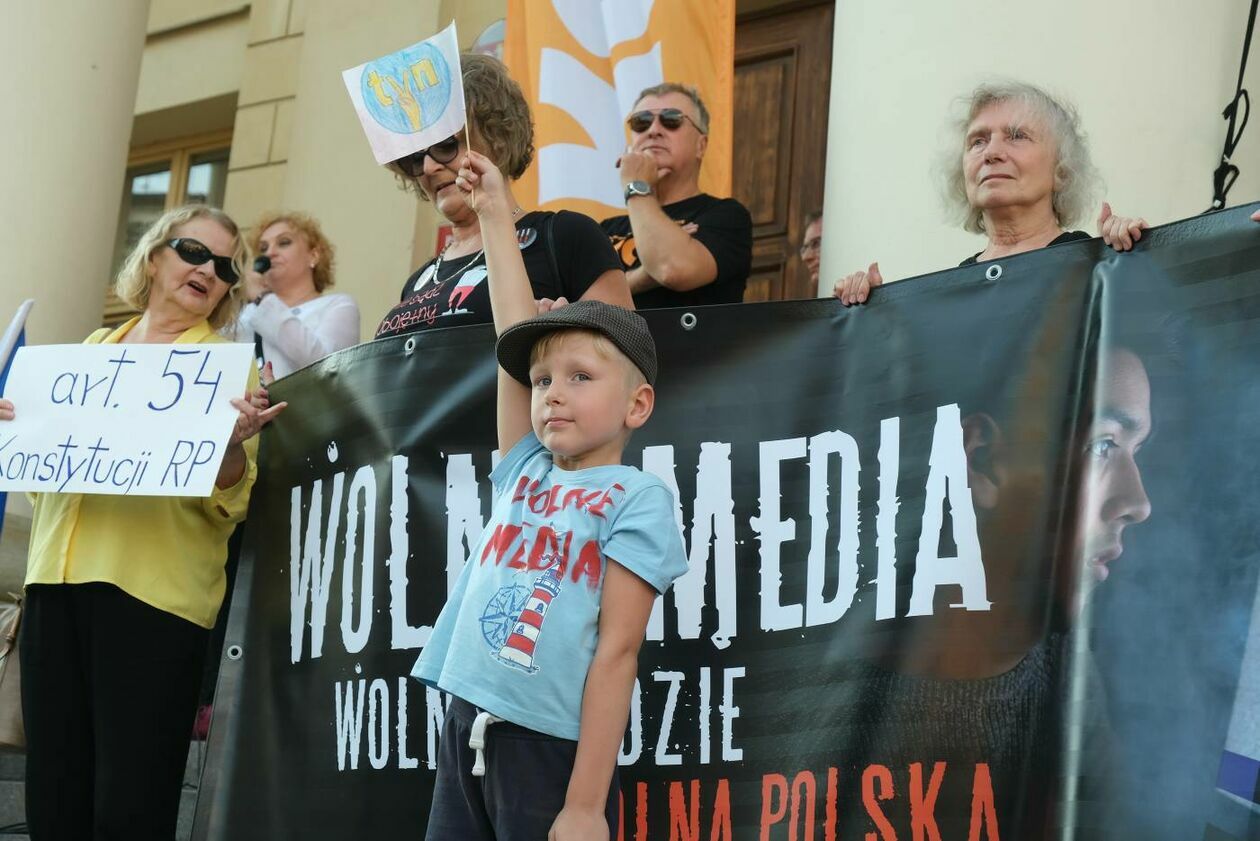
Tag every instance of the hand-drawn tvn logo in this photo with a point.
(501, 614)
(408, 90)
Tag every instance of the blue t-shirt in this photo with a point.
(518, 633)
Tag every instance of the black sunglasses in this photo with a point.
(444, 152)
(196, 253)
(671, 119)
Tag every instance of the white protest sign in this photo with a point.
(144, 420)
(411, 99)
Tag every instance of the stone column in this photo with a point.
(71, 71)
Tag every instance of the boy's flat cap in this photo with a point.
(624, 328)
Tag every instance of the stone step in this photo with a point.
(12, 803)
(13, 793)
(187, 809)
(12, 765)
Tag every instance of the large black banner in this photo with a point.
(975, 561)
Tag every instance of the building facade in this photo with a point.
(121, 110)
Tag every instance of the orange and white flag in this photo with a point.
(582, 64)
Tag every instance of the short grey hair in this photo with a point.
(1076, 181)
(686, 90)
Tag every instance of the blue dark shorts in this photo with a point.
(527, 775)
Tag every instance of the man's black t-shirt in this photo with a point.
(722, 225)
(580, 253)
(1066, 236)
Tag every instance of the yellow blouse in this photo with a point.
(168, 552)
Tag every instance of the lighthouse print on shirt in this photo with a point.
(518, 649)
(520, 627)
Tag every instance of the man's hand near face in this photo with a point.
(639, 166)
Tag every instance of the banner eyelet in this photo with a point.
(688, 321)
(993, 272)
(409, 347)
(235, 652)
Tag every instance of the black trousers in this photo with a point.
(109, 693)
(527, 777)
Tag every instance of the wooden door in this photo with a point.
(782, 88)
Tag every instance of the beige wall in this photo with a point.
(265, 107)
(169, 15)
(1149, 79)
(168, 79)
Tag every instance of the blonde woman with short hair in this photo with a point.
(293, 319)
(122, 591)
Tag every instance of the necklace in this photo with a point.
(437, 263)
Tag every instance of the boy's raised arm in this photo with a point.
(511, 296)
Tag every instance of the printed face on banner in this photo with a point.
(1110, 496)
(1114, 496)
(410, 99)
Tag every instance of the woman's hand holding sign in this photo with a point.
(6, 409)
(256, 412)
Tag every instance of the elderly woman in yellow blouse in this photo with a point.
(121, 591)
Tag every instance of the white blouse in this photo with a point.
(294, 337)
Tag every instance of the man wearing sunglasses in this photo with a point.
(680, 247)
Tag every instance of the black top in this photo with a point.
(1066, 236)
(459, 295)
(723, 226)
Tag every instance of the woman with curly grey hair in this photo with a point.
(567, 255)
(1018, 171)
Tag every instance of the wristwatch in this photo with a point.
(638, 188)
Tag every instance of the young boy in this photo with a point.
(538, 644)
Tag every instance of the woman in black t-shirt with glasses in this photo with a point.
(566, 254)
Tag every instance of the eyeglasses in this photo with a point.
(444, 152)
(671, 119)
(809, 245)
(196, 253)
